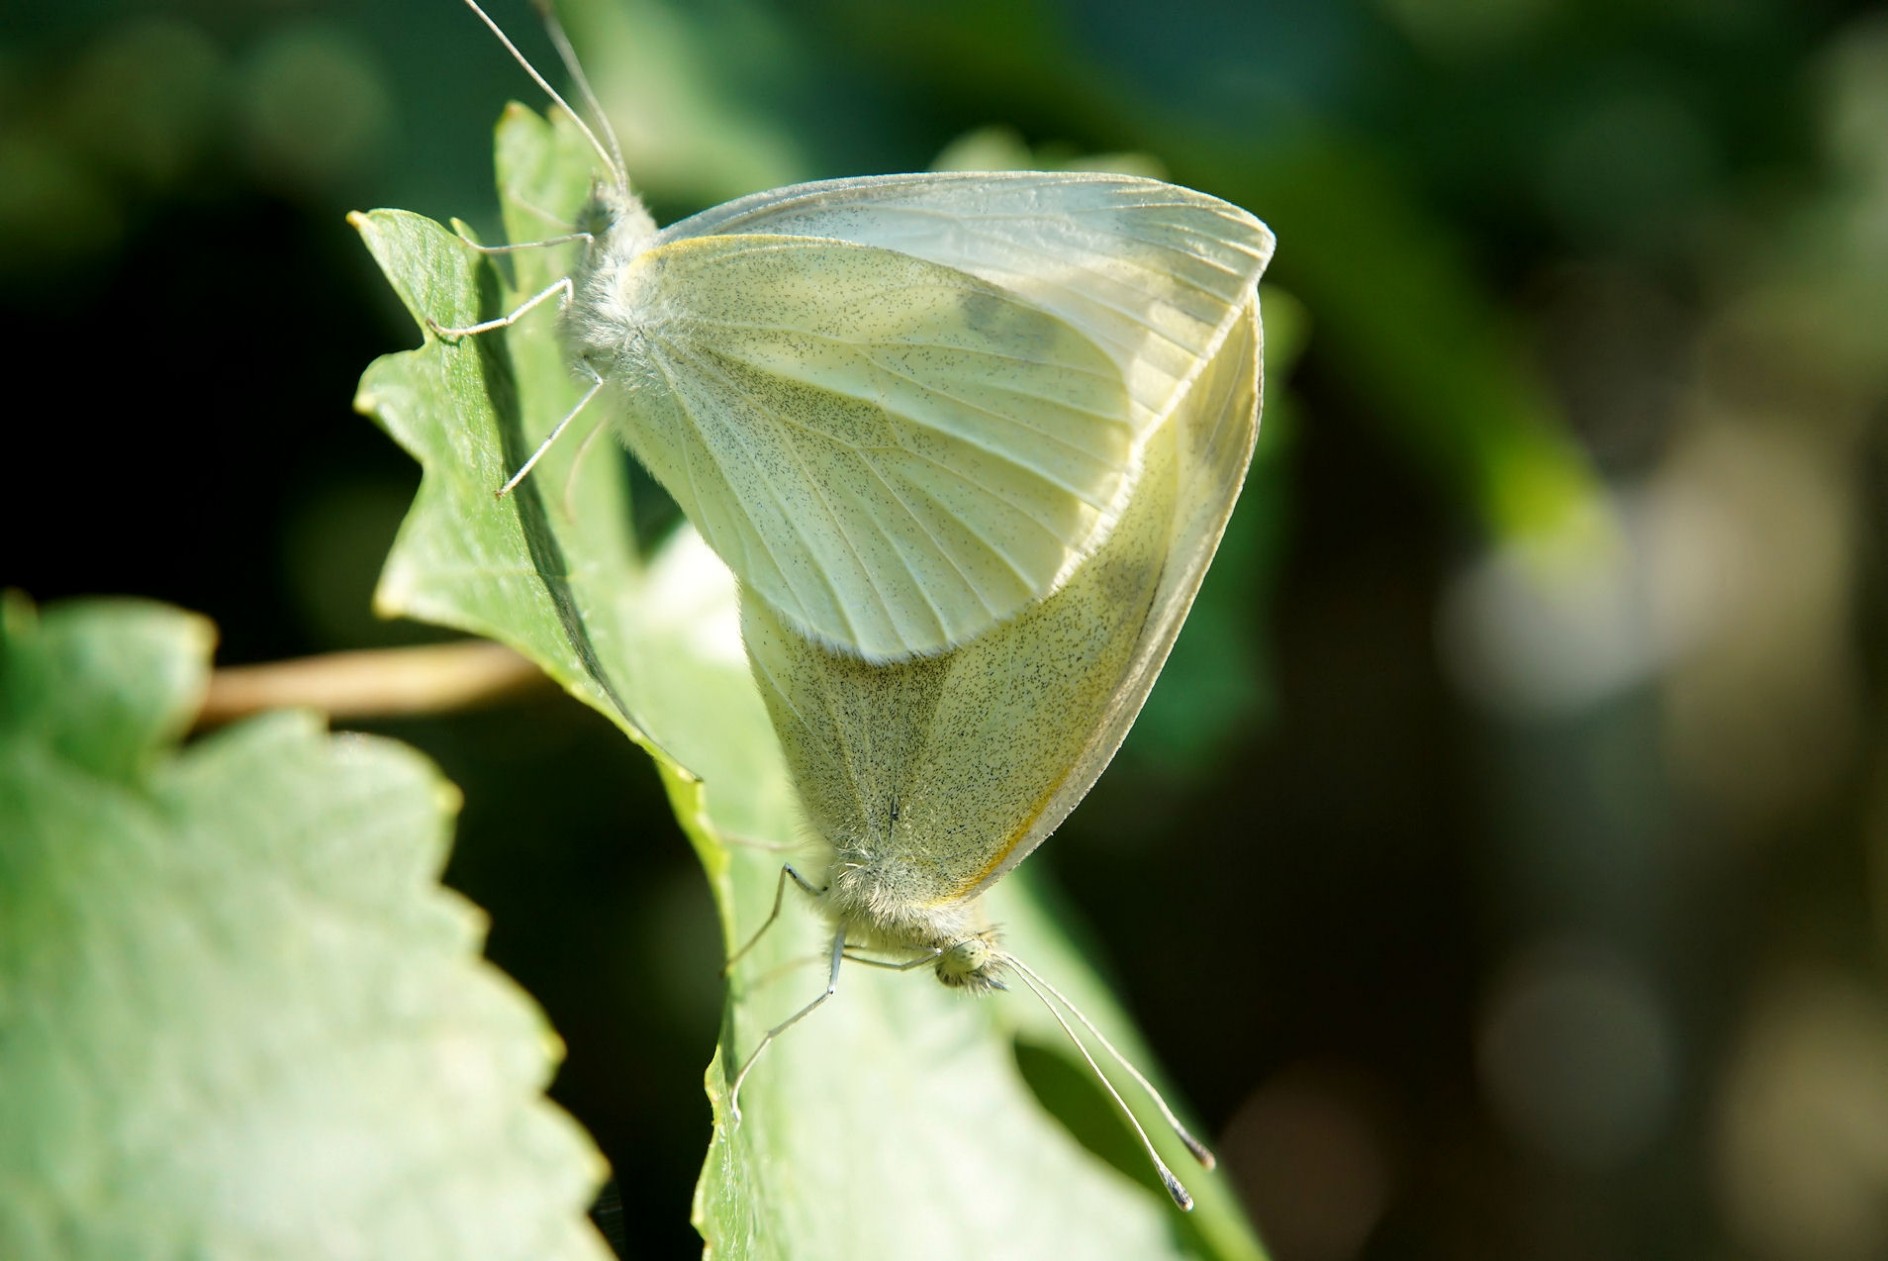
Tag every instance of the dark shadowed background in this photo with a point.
(1501, 867)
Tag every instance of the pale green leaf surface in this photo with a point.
(895, 1121)
(238, 1015)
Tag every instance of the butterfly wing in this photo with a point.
(894, 453)
(1154, 273)
(1217, 428)
(931, 778)
(904, 408)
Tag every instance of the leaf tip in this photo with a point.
(393, 597)
(450, 799)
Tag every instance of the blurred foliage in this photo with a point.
(1537, 888)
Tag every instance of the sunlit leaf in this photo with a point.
(238, 1015)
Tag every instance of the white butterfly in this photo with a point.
(904, 408)
(930, 779)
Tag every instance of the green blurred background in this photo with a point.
(1501, 866)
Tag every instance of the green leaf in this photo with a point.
(895, 1121)
(238, 1015)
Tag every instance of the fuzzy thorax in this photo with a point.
(605, 313)
(966, 950)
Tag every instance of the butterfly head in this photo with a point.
(973, 963)
(612, 214)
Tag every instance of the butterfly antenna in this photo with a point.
(609, 156)
(569, 55)
(1167, 1179)
(1194, 1145)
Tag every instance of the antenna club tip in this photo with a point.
(1178, 1192)
(1206, 1158)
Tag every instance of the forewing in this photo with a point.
(894, 453)
(1154, 273)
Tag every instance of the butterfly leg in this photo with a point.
(557, 430)
(780, 890)
(755, 842)
(902, 965)
(576, 463)
(562, 290)
(569, 238)
(832, 987)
